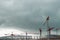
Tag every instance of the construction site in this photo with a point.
(49, 36)
(29, 19)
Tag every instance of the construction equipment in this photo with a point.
(49, 30)
(47, 24)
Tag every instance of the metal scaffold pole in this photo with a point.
(47, 22)
(40, 32)
(48, 31)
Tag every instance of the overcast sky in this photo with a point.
(29, 14)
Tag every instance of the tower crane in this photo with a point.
(48, 27)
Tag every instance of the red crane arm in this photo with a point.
(49, 29)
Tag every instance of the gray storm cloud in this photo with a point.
(28, 14)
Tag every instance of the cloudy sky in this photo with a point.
(29, 15)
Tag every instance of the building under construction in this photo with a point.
(49, 36)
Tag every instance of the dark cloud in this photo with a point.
(29, 14)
